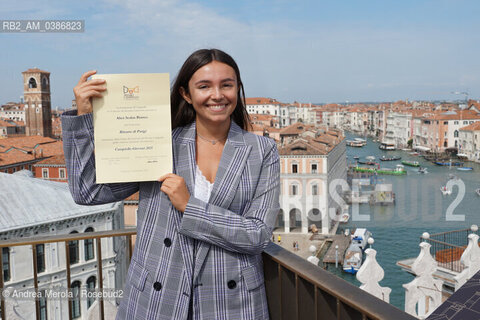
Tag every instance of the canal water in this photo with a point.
(419, 207)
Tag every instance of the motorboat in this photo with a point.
(370, 163)
(356, 157)
(353, 259)
(411, 163)
(361, 237)
(462, 156)
(450, 163)
(354, 253)
(345, 217)
(387, 146)
(446, 191)
(383, 158)
(464, 168)
(477, 192)
(422, 170)
(357, 142)
(370, 158)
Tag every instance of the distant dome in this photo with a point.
(24, 173)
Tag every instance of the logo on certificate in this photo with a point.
(131, 93)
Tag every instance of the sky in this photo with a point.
(307, 51)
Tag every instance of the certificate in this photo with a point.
(132, 128)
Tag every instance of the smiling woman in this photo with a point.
(203, 227)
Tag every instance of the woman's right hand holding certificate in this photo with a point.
(85, 90)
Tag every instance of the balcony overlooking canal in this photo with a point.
(296, 289)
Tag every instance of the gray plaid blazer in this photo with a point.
(224, 275)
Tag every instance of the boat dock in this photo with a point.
(342, 242)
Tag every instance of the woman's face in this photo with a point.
(213, 90)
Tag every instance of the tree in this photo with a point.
(410, 143)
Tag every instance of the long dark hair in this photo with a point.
(183, 112)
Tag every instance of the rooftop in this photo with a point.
(47, 202)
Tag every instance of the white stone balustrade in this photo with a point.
(370, 274)
(313, 258)
(424, 294)
(471, 261)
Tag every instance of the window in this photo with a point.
(90, 288)
(88, 244)
(42, 302)
(76, 300)
(45, 173)
(61, 173)
(44, 83)
(314, 190)
(294, 190)
(445, 122)
(465, 122)
(314, 168)
(294, 168)
(455, 133)
(6, 264)
(32, 83)
(73, 250)
(40, 258)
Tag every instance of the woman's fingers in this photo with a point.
(86, 75)
(87, 89)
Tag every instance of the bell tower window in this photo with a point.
(32, 83)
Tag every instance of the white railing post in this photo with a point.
(470, 259)
(424, 294)
(370, 274)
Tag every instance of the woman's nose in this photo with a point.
(217, 93)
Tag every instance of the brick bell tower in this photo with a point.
(38, 109)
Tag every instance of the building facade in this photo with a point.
(32, 208)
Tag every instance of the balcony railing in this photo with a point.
(448, 247)
(296, 289)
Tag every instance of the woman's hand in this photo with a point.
(176, 189)
(85, 90)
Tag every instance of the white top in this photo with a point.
(203, 187)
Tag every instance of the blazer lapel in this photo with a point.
(234, 157)
(184, 160)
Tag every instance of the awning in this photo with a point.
(421, 148)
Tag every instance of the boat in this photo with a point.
(464, 168)
(353, 259)
(354, 253)
(370, 158)
(357, 142)
(398, 171)
(383, 158)
(477, 191)
(369, 163)
(445, 190)
(345, 217)
(414, 153)
(450, 163)
(387, 146)
(356, 157)
(411, 163)
(462, 156)
(422, 170)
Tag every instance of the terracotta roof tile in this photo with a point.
(472, 127)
